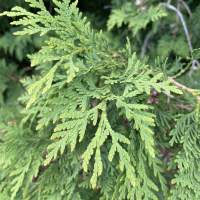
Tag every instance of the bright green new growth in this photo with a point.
(87, 118)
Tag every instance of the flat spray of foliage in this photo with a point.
(87, 131)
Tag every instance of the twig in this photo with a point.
(173, 8)
(182, 71)
(184, 107)
(185, 88)
(186, 7)
(195, 63)
(145, 44)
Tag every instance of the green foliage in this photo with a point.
(16, 46)
(134, 17)
(186, 133)
(93, 120)
(13, 53)
(166, 46)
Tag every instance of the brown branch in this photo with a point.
(182, 87)
(185, 107)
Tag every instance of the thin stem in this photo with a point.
(182, 71)
(145, 44)
(185, 88)
(186, 7)
(173, 8)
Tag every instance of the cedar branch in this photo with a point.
(185, 88)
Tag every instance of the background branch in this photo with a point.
(145, 44)
(173, 8)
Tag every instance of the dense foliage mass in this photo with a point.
(99, 100)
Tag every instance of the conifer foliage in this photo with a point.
(95, 121)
